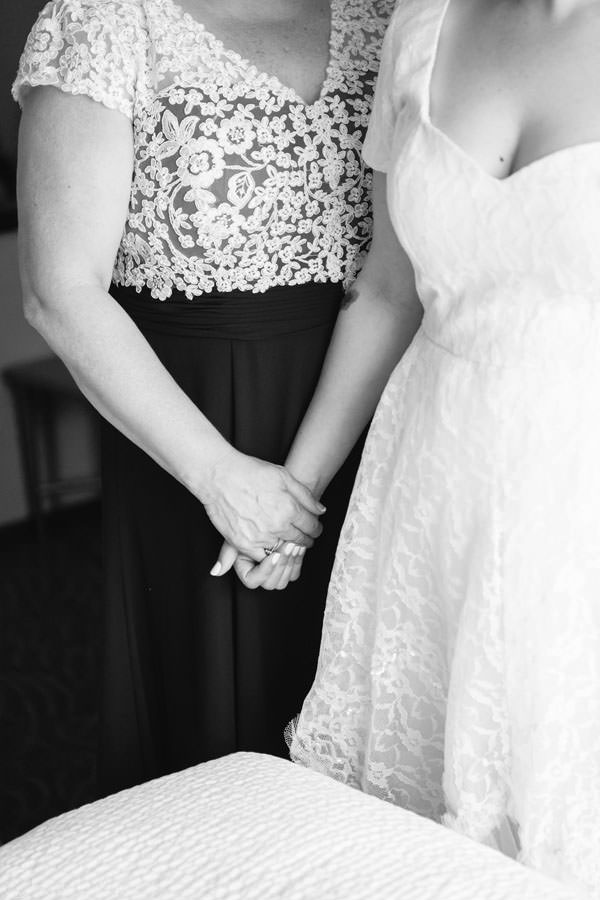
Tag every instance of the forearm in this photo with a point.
(74, 186)
(74, 183)
(119, 373)
(370, 337)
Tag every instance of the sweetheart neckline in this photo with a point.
(540, 161)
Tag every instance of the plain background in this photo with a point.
(18, 342)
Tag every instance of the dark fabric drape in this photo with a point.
(196, 667)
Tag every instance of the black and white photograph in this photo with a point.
(300, 450)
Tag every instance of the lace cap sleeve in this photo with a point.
(377, 146)
(90, 47)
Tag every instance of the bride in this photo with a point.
(459, 672)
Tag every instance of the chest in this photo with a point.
(293, 46)
(509, 87)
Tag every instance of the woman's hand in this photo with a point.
(274, 573)
(256, 505)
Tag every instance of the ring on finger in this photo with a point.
(269, 550)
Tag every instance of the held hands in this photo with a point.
(274, 573)
(256, 505)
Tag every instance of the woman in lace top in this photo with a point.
(188, 225)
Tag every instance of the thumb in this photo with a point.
(224, 563)
(243, 568)
(302, 494)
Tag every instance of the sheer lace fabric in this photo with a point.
(459, 673)
(238, 184)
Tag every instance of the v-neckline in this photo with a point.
(250, 67)
(540, 162)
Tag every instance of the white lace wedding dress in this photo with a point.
(459, 672)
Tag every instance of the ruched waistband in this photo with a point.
(234, 315)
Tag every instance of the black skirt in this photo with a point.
(194, 666)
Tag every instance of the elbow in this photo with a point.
(40, 312)
(33, 310)
(43, 300)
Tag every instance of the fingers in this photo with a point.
(291, 550)
(281, 575)
(257, 554)
(285, 574)
(258, 504)
(273, 573)
(256, 575)
(295, 536)
(244, 566)
(295, 555)
(291, 574)
(307, 523)
(303, 495)
(270, 573)
(279, 578)
(225, 561)
(297, 567)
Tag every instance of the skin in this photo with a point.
(516, 80)
(74, 177)
(375, 325)
(285, 38)
(513, 81)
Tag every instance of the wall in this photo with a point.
(77, 452)
(17, 18)
(18, 342)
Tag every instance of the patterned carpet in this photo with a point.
(49, 627)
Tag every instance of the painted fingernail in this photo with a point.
(297, 550)
(322, 508)
(216, 569)
(302, 551)
(275, 557)
(289, 549)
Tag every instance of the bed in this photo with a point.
(253, 827)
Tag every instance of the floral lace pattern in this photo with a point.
(459, 672)
(238, 183)
(85, 47)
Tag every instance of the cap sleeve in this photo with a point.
(90, 47)
(377, 146)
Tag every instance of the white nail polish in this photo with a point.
(275, 558)
(216, 569)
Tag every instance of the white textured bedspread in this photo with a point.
(252, 827)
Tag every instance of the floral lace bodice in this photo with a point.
(238, 183)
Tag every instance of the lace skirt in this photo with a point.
(196, 667)
(459, 673)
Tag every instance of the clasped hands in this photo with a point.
(258, 506)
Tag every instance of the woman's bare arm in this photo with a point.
(377, 322)
(75, 167)
(379, 318)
